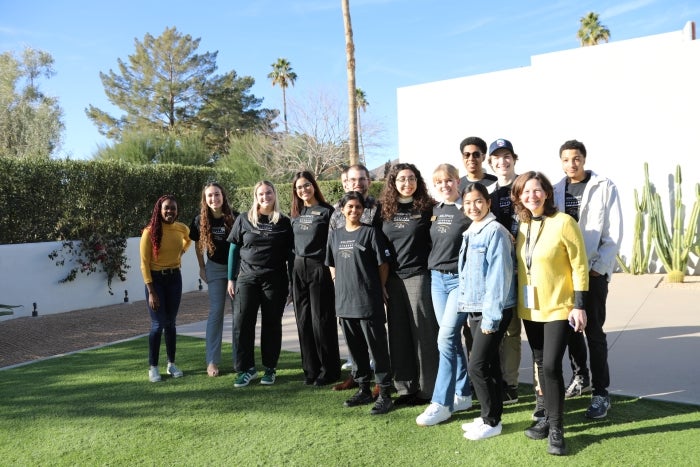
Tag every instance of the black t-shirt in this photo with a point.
(448, 223)
(408, 234)
(502, 208)
(311, 231)
(370, 216)
(218, 237)
(356, 257)
(488, 181)
(264, 248)
(573, 195)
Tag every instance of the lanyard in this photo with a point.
(528, 250)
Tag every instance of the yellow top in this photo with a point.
(175, 241)
(559, 267)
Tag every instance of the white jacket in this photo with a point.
(600, 219)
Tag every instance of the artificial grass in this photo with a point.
(98, 408)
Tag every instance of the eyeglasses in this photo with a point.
(473, 155)
(406, 179)
(304, 186)
(355, 180)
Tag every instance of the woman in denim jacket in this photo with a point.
(487, 296)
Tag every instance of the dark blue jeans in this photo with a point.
(168, 287)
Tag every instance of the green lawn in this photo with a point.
(98, 408)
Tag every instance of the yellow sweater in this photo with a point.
(175, 241)
(559, 266)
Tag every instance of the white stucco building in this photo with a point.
(629, 102)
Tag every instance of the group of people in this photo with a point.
(406, 277)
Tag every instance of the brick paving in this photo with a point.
(30, 338)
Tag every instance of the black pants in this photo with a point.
(548, 344)
(314, 305)
(485, 367)
(267, 292)
(596, 338)
(361, 336)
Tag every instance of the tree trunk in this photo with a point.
(284, 104)
(354, 155)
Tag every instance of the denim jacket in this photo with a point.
(487, 282)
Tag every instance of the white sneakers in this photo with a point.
(174, 371)
(433, 414)
(477, 430)
(462, 403)
(153, 374)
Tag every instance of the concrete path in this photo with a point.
(653, 336)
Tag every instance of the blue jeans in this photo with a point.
(452, 377)
(168, 287)
(217, 283)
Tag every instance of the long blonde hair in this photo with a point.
(253, 215)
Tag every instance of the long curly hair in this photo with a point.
(206, 243)
(298, 203)
(422, 201)
(155, 225)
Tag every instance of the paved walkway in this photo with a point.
(653, 335)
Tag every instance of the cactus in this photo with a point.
(641, 250)
(673, 248)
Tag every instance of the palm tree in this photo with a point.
(362, 104)
(283, 75)
(591, 31)
(354, 155)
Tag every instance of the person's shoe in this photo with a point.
(577, 386)
(461, 403)
(269, 377)
(478, 421)
(345, 385)
(382, 405)
(483, 431)
(434, 414)
(245, 377)
(174, 371)
(153, 374)
(539, 430)
(309, 381)
(556, 445)
(321, 381)
(361, 397)
(539, 413)
(599, 407)
(510, 394)
(347, 365)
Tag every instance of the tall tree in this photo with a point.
(354, 155)
(591, 31)
(31, 123)
(283, 74)
(362, 104)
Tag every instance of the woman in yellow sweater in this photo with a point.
(552, 279)
(163, 242)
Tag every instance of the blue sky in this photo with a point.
(398, 43)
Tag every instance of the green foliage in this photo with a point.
(641, 248)
(283, 74)
(592, 32)
(158, 147)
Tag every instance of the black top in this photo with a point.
(448, 223)
(356, 257)
(502, 208)
(408, 234)
(370, 216)
(311, 231)
(573, 195)
(218, 237)
(488, 181)
(264, 248)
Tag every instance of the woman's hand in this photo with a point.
(203, 274)
(231, 288)
(578, 319)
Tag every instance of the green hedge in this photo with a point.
(49, 200)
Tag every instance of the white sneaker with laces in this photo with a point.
(462, 403)
(478, 421)
(347, 365)
(174, 371)
(153, 374)
(483, 431)
(433, 414)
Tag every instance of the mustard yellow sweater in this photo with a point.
(175, 241)
(559, 266)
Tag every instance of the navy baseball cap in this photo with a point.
(500, 144)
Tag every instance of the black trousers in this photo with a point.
(361, 336)
(485, 367)
(595, 336)
(314, 306)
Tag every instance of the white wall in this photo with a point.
(27, 275)
(629, 102)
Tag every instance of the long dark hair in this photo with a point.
(155, 225)
(297, 202)
(519, 185)
(422, 201)
(205, 216)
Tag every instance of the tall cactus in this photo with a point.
(641, 247)
(673, 248)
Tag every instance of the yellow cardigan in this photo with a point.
(175, 241)
(559, 266)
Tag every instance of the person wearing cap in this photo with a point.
(502, 159)
(593, 201)
(473, 150)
